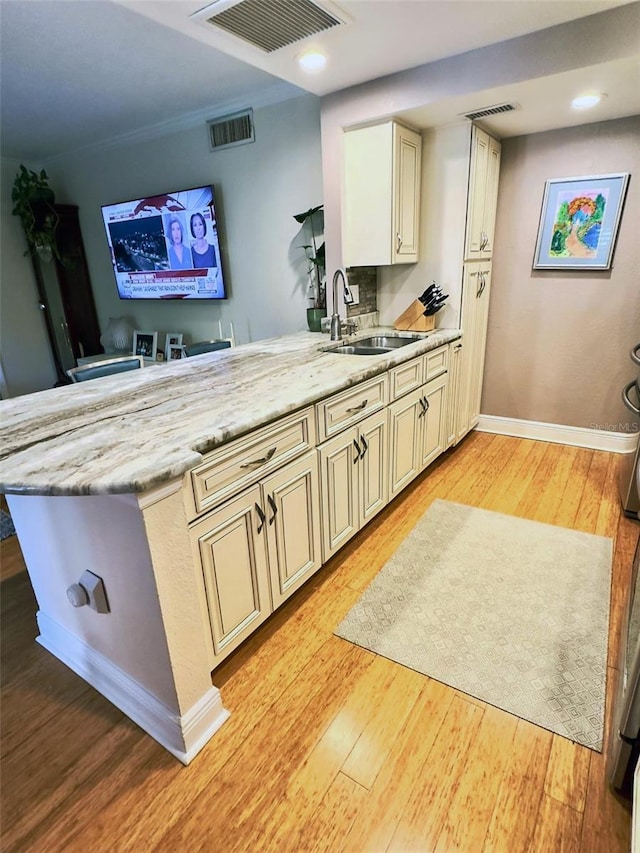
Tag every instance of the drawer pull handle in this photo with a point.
(358, 408)
(365, 446)
(274, 509)
(358, 450)
(261, 461)
(261, 516)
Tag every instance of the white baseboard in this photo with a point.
(594, 439)
(182, 735)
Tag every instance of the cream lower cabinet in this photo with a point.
(417, 432)
(257, 549)
(353, 480)
(457, 426)
(476, 286)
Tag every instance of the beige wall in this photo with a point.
(557, 342)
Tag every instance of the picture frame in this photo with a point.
(174, 352)
(579, 222)
(145, 344)
(171, 339)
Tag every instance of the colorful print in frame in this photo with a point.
(579, 222)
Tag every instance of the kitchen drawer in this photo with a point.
(239, 464)
(436, 362)
(347, 408)
(405, 378)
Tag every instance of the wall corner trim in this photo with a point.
(182, 735)
(594, 439)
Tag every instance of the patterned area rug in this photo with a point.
(513, 612)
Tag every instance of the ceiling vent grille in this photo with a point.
(490, 111)
(271, 24)
(236, 129)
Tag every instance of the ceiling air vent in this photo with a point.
(269, 24)
(236, 129)
(490, 111)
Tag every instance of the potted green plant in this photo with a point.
(34, 201)
(314, 219)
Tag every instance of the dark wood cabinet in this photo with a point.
(66, 296)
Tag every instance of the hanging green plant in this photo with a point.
(34, 202)
(315, 253)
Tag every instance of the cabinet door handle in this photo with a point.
(426, 404)
(358, 450)
(262, 460)
(365, 446)
(422, 408)
(274, 509)
(479, 290)
(261, 516)
(626, 399)
(357, 408)
(399, 242)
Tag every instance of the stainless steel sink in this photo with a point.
(347, 349)
(376, 345)
(387, 341)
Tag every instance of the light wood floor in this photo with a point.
(328, 747)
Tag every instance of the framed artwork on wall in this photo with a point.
(145, 344)
(579, 222)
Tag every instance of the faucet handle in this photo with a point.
(350, 326)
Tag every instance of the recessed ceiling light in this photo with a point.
(585, 102)
(312, 61)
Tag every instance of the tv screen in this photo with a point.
(166, 246)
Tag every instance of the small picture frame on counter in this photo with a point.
(174, 352)
(172, 339)
(145, 344)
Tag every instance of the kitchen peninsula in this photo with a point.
(202, 493)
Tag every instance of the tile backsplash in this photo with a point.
(366, 279)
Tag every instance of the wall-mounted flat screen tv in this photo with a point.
(166, 246)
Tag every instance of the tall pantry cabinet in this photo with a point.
(482, 199)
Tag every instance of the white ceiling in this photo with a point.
(77, 73)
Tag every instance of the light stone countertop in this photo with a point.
(134, 431)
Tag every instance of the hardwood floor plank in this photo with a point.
(469, 812)
(258, 775)
(518, 800)
(380, 811)
(425, 813)
(509, 489)
(542, 499)
(324, 829)
(370, 751)
(568, 773)
(558, 828)
(589, 506)
(308, 785)
(572, 490)
(308, 709)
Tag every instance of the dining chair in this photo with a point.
(205, 346)
(95, 369)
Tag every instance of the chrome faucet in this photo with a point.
(336, 323)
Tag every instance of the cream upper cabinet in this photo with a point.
(382, 167)
(483, 195)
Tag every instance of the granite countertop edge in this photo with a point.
(129, 433)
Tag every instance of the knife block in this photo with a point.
(413, 319)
